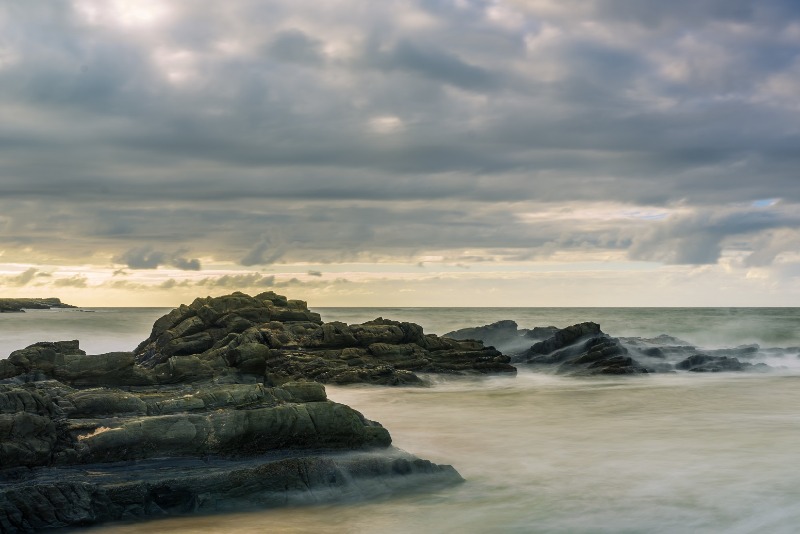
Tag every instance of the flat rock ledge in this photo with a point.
(98, 493)
(75, 456)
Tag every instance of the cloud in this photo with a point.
(294, 46)
(268, 250)
(146, 257)
(73, 281)
(314, 273)
(22, 279)
(251, 134)
(699, 236)
(234, 281)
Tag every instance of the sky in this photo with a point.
(401, 152)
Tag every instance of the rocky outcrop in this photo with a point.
(20, 305)
(581, 349)
(220, 408)
(72, 456)
(270, 336)
(62, 497)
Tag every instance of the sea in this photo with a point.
(674, 452)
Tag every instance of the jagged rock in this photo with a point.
(200, 326)
(582, 349)
(564, 337)
(20, 305)
(280, 340)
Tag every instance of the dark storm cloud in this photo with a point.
(258, 132)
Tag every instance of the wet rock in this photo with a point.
(704, 363)
(582, 349)
(200, 326)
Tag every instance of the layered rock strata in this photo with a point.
(71, 456)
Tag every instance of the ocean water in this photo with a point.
(676, 453)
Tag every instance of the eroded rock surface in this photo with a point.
(208, 415)
(270, 336)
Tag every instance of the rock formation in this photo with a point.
(268, 335)
(72, 456)
(582, 349)
(219, 409)
(20, 305)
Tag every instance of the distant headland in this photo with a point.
(20, 305)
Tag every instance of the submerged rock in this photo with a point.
(704, 363)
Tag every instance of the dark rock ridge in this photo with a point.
(582, 349)
(208, 415)
(279, 339)
(8, 305)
